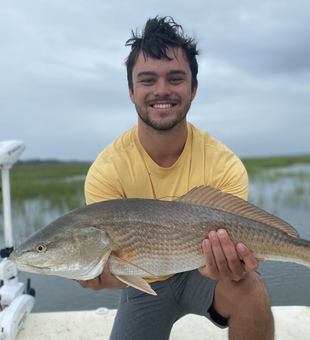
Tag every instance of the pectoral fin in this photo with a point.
(136, 282)
(130, 263)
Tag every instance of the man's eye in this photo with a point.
(147, 81)
(175, 80)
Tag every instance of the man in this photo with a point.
(165, 156)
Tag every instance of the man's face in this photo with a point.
(162, 90)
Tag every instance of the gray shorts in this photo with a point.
(142, 316)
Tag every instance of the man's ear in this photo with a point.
(131, 95)
(194, 90)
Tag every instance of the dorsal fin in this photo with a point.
(216, 199)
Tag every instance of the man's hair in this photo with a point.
(159, 34)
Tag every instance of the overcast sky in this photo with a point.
(63, 88)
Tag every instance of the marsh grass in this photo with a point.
(255, 165)
(47, 171)
(57, 183)
(279, 182)
(272, 190)
(41, 193)
(57, 192)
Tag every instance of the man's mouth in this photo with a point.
(162, 106)
(162, 103)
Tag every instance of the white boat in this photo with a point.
(291, 323)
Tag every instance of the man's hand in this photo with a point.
(104, 280)
(222, 260)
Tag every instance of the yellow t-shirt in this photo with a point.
(125, 170)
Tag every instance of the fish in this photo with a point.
(150, 238)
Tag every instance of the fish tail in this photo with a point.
(299, 251)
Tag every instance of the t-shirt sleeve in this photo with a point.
(101, 182)
(230, 175)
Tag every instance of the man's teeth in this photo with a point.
(162, 106)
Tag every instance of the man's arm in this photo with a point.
(104, 280)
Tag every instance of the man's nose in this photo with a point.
(162, 89)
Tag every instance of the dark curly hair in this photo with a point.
(158, 34)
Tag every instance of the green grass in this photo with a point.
(255, 165)
(50, 182)
(289, 189)
(42, 192)
(47, 171)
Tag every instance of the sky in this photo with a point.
(63, 86)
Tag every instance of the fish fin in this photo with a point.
(130, 263)
(136, 282)
(219, 200)
(167, 198)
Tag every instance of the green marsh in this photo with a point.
(42, 192)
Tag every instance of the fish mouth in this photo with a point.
(33, 269)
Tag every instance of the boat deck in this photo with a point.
(291, 322)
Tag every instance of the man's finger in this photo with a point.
(83, 284)
(250, 262)
(219, 255)
(232, 258)
(210, 269)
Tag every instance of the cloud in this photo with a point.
(63, 79)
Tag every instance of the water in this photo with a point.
(284, 192)
(55, 294)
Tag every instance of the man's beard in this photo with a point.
(163, 126)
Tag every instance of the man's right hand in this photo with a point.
(222, 260)
(104, 280)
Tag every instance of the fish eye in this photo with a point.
(41, 248)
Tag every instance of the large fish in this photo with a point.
(144, 237)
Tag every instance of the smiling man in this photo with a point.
(162, 91)
(166, 156)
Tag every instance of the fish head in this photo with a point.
(71, 247)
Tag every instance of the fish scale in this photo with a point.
(177, 240)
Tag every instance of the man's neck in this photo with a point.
(164, 147)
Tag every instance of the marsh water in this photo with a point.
(284, 192)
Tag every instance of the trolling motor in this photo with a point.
(16, 301)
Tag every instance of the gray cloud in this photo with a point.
(63, 80)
